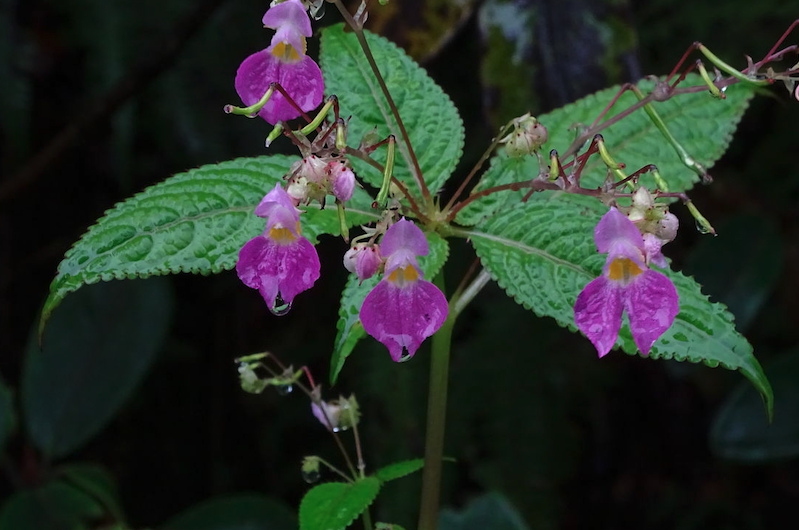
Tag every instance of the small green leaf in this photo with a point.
(97, 482)
(701, 124)
(349, 327)
(8, 417)
(542, 253)
(433, 124)
(240, 512)
(96, 350)
(742, 432)
(54, 506)
(193, 222)
(335, 505)
(489, 511)
(399, 469)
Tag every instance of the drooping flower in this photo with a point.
(363, 260)
(627, 284)
(403, 309)
(284, 62)
(280, 263)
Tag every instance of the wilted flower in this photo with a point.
(626, 284)
(337, 415)
(403, 309)
(284, 62)
(280, 263)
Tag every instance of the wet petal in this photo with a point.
(597, 313)
(402, 317)
(651, 303)
(302, 80)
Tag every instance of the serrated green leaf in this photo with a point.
(349, 328)
(192, 222)
(399, 469)
(335, 505)
(240, 512)
(492, 510)
(542, 254)
(433, 124)
(94, 354)
(701, 124)
(8, 417)
(742, 432)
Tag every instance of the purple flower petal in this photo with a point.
(274, 268)
(651, 302)
(302, 80)
(597, 313)
(290, 13)
(402, 317)
(404, 235)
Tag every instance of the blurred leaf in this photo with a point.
(96, 350)
(54, 506)
(542, 254)
(240, 512)
(703, 126)
(742, 432)
(399, 469)
(335, 505)
(433, 124)
(192, 222)
(349, 328)
(8, 416)
(491, 511)
(97, 482)
(741, 280)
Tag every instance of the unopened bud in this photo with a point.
(527, 137)
(310, 469)
(363, 260)
(667, 227)
(343, 180)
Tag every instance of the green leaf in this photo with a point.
(433, 124)
(96, 481)
(54, 506)
(701, 124)
(240, 512)
(335, 505)
(542, 254)
(742, 432)
(349, 328)
(96, 350)
(489, 511)
(8, 417)
(192, 222)
(399, 469)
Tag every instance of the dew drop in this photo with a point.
(405, 356)
(310, 476)
(702, 229)
(284, 390)
(317, 12)
(281, 306)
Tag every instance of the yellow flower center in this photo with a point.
(403, 275)
(282, 236)
(287, 53)
(623, 269)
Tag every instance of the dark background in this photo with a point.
(133, 91)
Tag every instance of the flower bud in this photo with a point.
(667, 227)
(337, 415)
(343, 180)
(363, 260)
(527, 137)
(313, 168)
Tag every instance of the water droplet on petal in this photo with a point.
(281, 306)
(284, 390)
(310, 476)
(317, 12)
(405, 356)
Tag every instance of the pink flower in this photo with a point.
(363, 260)
(280, 263)
(283, 62)
(403, 309)
(627, 283)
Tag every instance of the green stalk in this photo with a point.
(436, 420)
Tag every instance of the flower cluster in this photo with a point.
(627, 283)
(283, 62)
(315, 177)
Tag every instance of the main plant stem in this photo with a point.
(436, 420)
